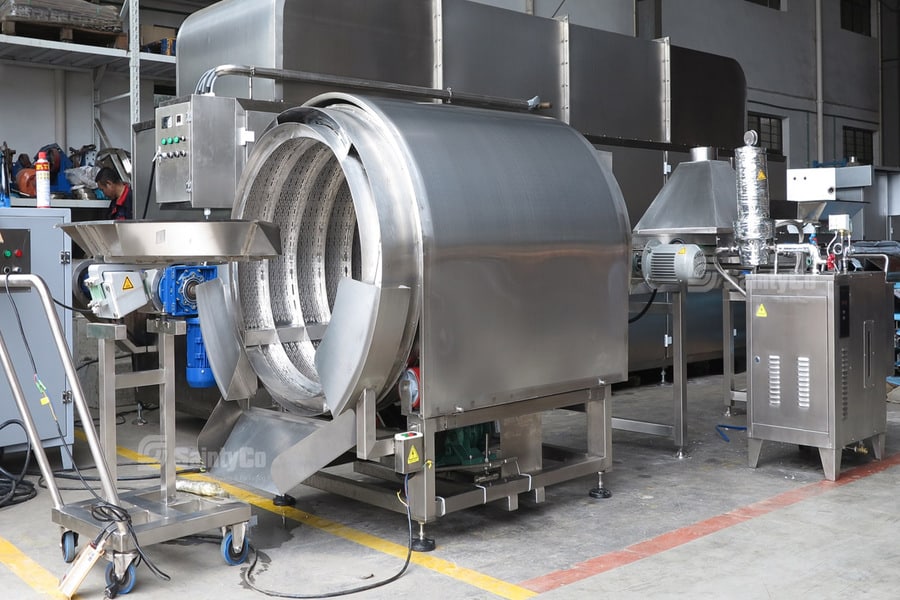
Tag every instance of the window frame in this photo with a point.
(766, 135)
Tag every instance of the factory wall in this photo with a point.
(30, 103)
(610, 15)
(777, 50)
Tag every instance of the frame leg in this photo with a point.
(753, 448)
(877, 442)
(831, 462)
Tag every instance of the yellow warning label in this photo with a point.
(45, 401)
(413, 456)
(127, 285)
(761, 311)
(761, 176)
(682, 250)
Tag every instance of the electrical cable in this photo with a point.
(84, 311)
(645, 309)
(14, 488)
(247, 574)
(149, 187)
(103, 511)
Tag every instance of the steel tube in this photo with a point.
(30, 429)
(208, 81)
(35, 282)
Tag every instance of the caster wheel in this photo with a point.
(69, 544)
(229, 554)
(117, 586)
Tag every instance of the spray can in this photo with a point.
(42, 175)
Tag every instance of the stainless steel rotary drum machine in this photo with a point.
(479, 258)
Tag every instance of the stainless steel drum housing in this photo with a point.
(496, 243)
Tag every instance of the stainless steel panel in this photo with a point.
(360, 345)
(501, 52)
(388, 40)
(818, 351)
(254, 36)
(232, 371)
(150, 242)
(617, 85)
(509, 271)
(789, 379)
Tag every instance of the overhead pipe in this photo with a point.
(207, 83)
(820, 99)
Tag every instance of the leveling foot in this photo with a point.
(600, 492)
(284, 500)
(422, 543)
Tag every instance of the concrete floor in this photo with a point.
(706, 526)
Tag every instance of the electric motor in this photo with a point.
(673, 263)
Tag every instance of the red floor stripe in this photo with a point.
(673, 539)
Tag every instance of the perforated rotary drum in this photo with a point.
(492, 238)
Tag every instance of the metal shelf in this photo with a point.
(67, 55)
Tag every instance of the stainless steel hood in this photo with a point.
(700, 198)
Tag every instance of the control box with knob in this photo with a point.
(15, 251)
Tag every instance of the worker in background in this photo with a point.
(121, 205)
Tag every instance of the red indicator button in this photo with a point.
(18, 253)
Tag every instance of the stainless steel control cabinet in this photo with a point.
(820, 347)
(36, 246)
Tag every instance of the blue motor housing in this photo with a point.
(198, 373)
(177, 288)
(177, 293)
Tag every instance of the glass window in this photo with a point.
(856, 16)
(858, 144)
(769, 129)
(776, 4)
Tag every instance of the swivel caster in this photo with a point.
(69, 544)
(116, 586)
(231, 557)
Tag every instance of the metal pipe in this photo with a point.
(59, 105)
(728, 277)
(28, 421)
(208, 81)
(820, 95)
(84, 413)
(884, 257)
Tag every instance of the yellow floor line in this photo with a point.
(495, 586)
(36, 576)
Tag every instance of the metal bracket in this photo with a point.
(65, 257)
(367, 447)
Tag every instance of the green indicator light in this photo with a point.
(7, 254)
(164, 142)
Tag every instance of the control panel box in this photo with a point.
(15, 250)
(202, 144)
(33, 244)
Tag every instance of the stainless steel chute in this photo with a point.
(490, 247)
